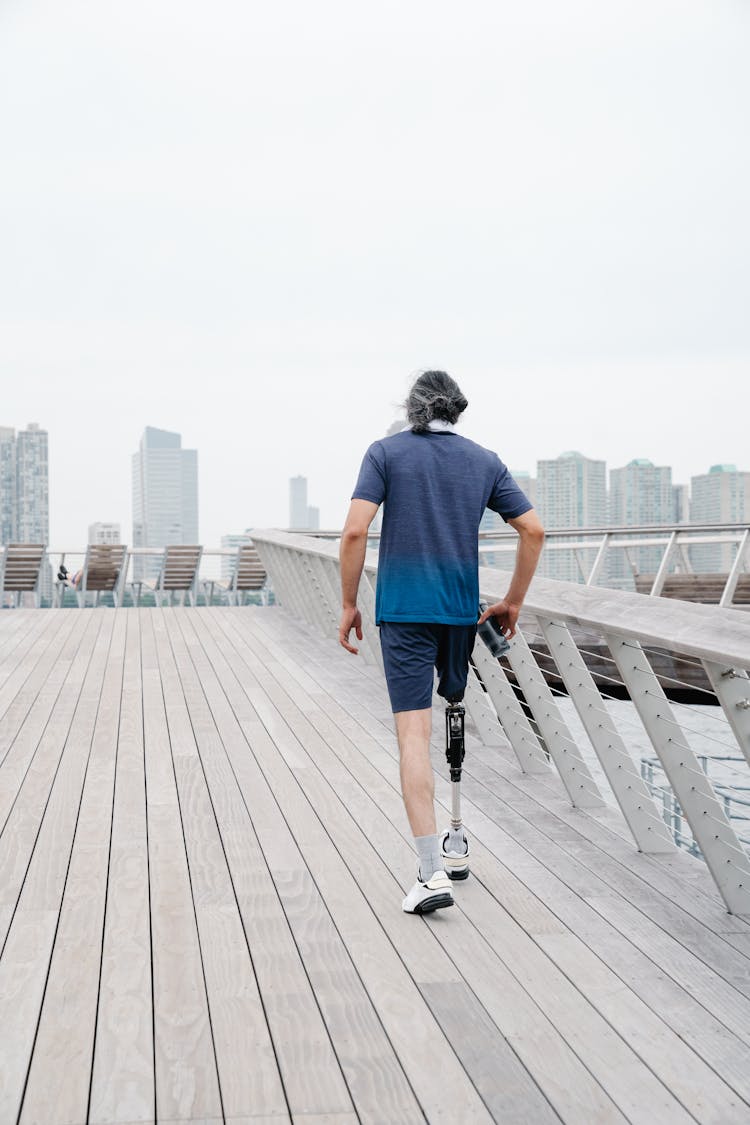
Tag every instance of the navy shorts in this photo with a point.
(411, 652)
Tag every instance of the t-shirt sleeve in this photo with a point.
(507, 498)
(371, 480)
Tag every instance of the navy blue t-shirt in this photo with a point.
(435, 488)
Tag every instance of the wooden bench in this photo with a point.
(705, 588)
(104, 570)
(178, 575)
(248, 576)
(20, 570)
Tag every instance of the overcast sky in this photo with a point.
(253, 223)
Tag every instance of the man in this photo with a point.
(435, 485)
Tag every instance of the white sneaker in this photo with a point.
(433, 894)
(456, 864)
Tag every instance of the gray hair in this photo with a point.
(434, 395)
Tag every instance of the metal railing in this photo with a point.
(517, 700)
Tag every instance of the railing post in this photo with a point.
(736, 571)
(732, 687)
(599, 560)
(661, 574)
(574, 773)
(726, 859)
(629, 788)
(483, 714)
(521, 735)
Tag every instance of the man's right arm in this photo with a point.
(531, 541)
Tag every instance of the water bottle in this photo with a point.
(492, 635)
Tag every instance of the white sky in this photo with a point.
(253, 223)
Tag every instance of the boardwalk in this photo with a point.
(202, 858)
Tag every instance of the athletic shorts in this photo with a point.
(411, 652)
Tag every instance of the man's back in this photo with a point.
(435, 487)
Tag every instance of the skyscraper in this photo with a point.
(298, 502)
(722, 495)
(640, 494)
(571, 492)
(24, 485)
(165, 496)
(302, 517)
(680, 503)
(7, 484)
(24, 491)
(32, 485)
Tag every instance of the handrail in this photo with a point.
(513, 701)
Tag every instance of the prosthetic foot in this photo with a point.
(454, 843)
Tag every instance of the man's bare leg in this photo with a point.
(417, 782)
(418, 789)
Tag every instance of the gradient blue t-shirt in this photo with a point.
(435, 488)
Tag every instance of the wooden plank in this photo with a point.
(238, 1022)
(682, 1070)
(186, 1078)
(60, 1073)
(308, 1064)
(524, 1025)
(122, 1078)
(34, 922)
(22, 684)
(24, 723)
(23, 822)
(494, 1068)
(373, 1072)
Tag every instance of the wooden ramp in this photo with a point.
(202, 859)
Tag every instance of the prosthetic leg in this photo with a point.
(455, 845)
(454, 842)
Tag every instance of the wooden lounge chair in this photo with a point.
(248, 575)
(21, 569)
(178, 575)
(104, 571)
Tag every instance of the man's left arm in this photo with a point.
(352, 556)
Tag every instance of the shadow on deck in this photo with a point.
(202, 860)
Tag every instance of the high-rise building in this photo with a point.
(298, 502)
(722, 495)
(32, 485)
(7, 485)
(165, 496)
(680, 503)
(302, 517)
(527, 483)
(104, 533)
(24, 491)
(571, 492)
(640, 495)
(491, 521)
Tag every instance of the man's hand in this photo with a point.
(507, 616)
(350, 619)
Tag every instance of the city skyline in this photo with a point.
(526, 479)
(582, 276)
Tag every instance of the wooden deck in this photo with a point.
(202, 859)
